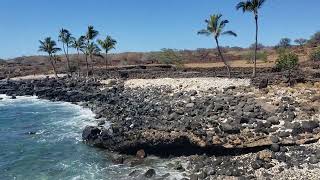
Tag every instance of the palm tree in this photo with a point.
(215, 26)
(66, 38)
(79, 45)
(252, 6)
(91, 51)
(90, 35)
(107, 44)
(50, 46)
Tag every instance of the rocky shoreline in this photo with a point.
(237, 131)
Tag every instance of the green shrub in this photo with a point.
(261, 55)
(315, 55)
(287, 61)
(282, 50)
(167, 56)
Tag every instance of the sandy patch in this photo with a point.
(187, 84)
(34, 77)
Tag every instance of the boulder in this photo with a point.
(263, 84)
(90, 133)
(150, 173)
(141, 154)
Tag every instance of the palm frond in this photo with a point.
(91, 33)
(204, 32)
(231, 33)
(261, 2)
(49, 46)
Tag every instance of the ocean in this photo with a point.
(42, 140)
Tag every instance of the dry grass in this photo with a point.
(238, 63)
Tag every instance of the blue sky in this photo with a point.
(147, 25)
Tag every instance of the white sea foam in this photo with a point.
(69, 126)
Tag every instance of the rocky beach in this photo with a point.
(212, 128)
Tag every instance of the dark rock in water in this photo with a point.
(32, 133)
(165, 175)
(1, 99)
(150, 173)
(118, 160)
(135, 162)
(275, 148)
(178, 166)
(90, 133)
(101, 123)
(264, 84)
(141, 154)
(98, 116)
(13, 97)
(135, 173)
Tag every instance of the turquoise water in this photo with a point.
(55, 151)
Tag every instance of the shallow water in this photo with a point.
(55, 151)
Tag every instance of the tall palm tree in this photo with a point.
(108, 44)
(79, 45)
(252, 6)
(66, 38)
(50, 46)
(91, 34)
(215, 26)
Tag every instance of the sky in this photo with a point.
(149, 25)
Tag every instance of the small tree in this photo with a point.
(259, 47)
(300, 41)
(261, 55)
(315, 55)
(50, 46)
(284, 43)
(287, 61)
(108, 44)
(66, 38)
(315, 39)
(215, 27)
(167, 56)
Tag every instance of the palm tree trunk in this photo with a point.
(87, 65)
(106, 59)
(91, 59)
(222, 58)
(67, 57)
(53, 67)
(256, 48)
(78, 57)
(68, 60)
